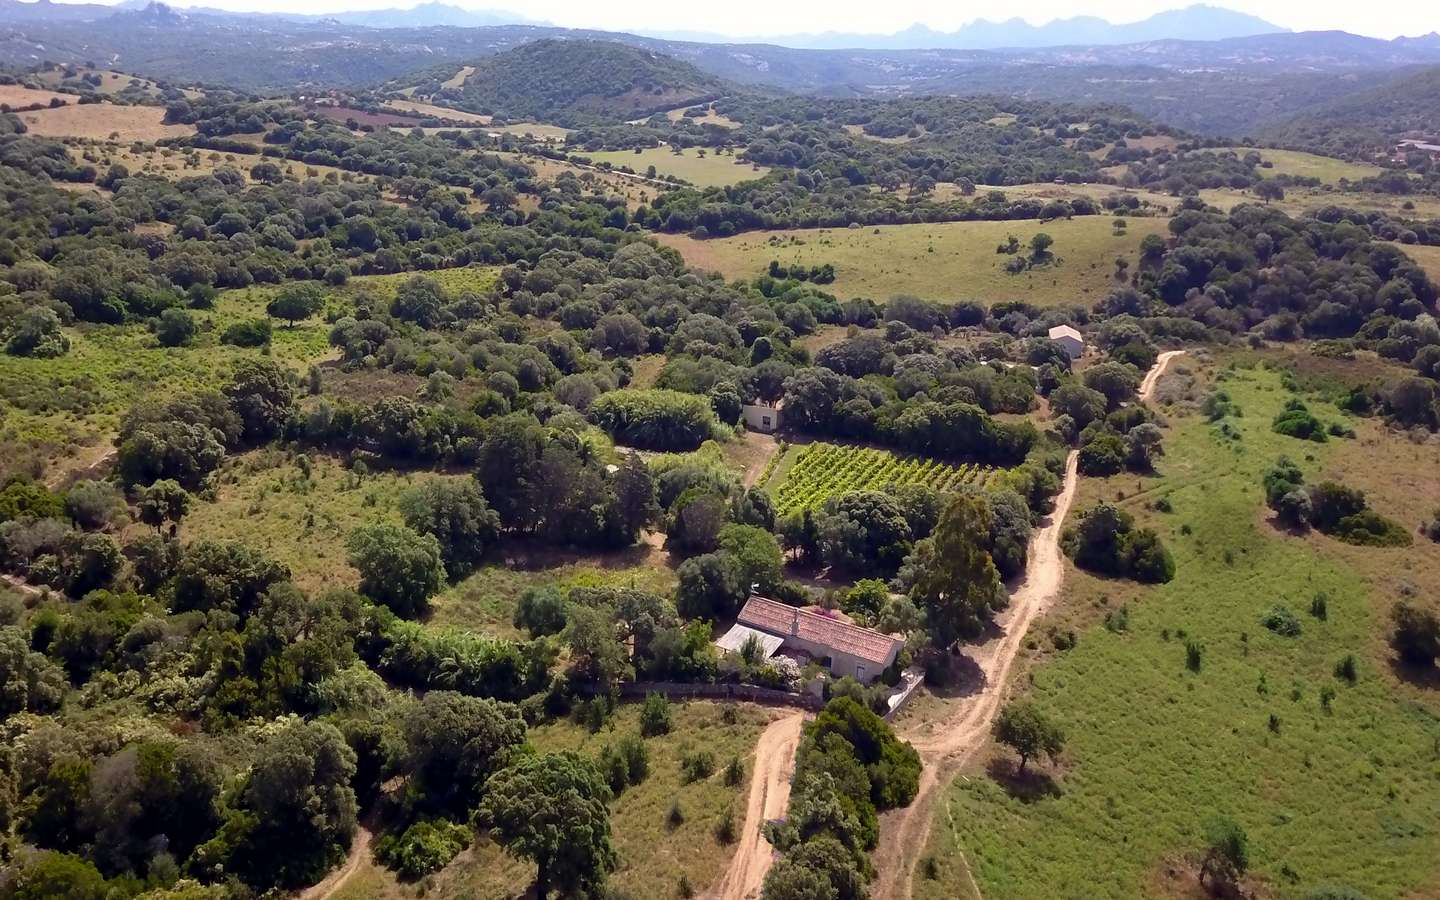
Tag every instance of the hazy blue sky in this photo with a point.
(756, 17)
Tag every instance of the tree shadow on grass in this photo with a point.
(1029, 786)
(1421, 676)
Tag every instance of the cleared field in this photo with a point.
(711, 117)
(486, 600)
(439, 112)
(104, 121)
(633, 190)
(653, 853)
(457, 81)
(810, 474)
(16, 96)
(1309, 165)
(859, 132)
(1333, 782)
(265, 501)
(710, 170)
(950, 261)
(1427, 257)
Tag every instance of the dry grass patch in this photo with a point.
(457, 81)
(16, 96)
(104, 121)
(701, 167)
(438, 112)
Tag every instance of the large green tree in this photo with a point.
(956, 583)
(398, 567)
(552, 809)
(1022, 727)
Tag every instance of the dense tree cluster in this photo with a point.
(1329, 507)
(850, 765)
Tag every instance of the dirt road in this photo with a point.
(333, 882)
(1152, 378)
(769, 796)
(946, 745)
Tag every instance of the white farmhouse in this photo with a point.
(1070, 339)
(762, 416)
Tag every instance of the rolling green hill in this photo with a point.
(577, 82)
(1361, 124)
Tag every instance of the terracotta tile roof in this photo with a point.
(788, 621)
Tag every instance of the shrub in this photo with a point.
(1282, 621)
(726, 830)
(676, 817)
(637, 759)
(734, 772)
(1296, 421)
(1194, 655)
(697, 765)
(1345, 669)
(248, 333)
(425, 847)
(655, 715)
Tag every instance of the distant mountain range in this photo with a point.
(1229, 87)
(1193, 23)
(425, 15)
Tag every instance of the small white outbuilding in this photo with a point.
(1069, 338)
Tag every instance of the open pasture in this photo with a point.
(946, 262)
(1331, 779)
(439, 112)
(1309, 165)
(104, 121)
(710, 170)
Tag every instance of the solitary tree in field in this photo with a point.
(296, 302)
(1024, 729)
(551, 808)
(1268, 190)
(1040, 246)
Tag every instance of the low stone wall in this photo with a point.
(747, 693)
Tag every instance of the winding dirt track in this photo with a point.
(769, 795)
(1147, 387)
(359, 846)
(947, 745)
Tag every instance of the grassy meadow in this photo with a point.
(710, 170)
(264, 500)
(1309, 165)
(653, 853)
(1428, 258)
(946, 262)
(1348, 794)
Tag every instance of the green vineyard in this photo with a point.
(820, 471)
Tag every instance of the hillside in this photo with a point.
(1367, 122)
(571, 82)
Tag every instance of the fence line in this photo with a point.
(743, 692)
